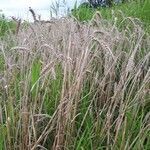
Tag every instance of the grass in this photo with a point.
(137, 9)
(80, 86)
(76, 85)
(6, 26)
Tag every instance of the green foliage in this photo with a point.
(52, 89)
(3, 132)
(83, 13)
(35, 76)
(138, 9)
(6, 26)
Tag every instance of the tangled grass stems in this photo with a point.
(67, 84)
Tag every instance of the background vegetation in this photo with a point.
(6, 26)
(136, 8)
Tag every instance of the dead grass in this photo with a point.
(72, 85)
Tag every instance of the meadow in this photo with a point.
(76, 84)
(135, 8)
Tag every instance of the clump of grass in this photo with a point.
(6, 26)
(72, 85)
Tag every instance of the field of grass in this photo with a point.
(137, 8)
(76, 85)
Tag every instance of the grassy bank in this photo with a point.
(136, 8)
(72, 85)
